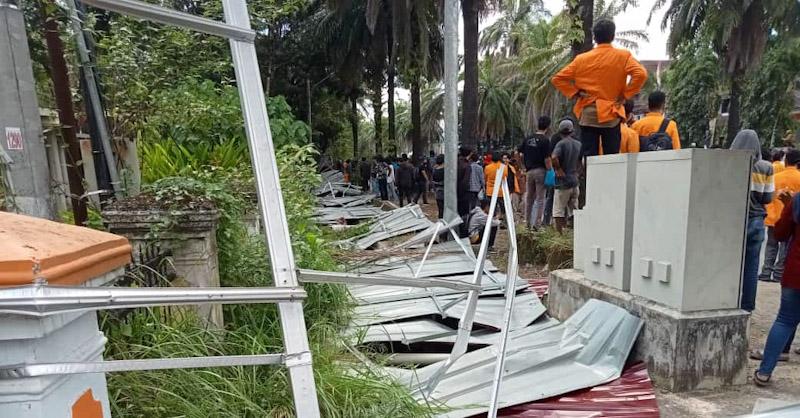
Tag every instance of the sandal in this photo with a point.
(761, 381)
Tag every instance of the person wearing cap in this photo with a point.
(566, 159)
(598, 81)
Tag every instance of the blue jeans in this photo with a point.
(752, 252)
(782, 329)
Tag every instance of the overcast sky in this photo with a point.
(635, 18)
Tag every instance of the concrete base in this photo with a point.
(683, 351)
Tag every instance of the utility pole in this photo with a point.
(26, 169)
(93, 98)
(66, 112)
(451, 13)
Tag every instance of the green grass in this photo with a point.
(545, 247)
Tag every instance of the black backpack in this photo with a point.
(658, 140)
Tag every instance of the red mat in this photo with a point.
(631, 395)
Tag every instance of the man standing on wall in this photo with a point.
(598, 81)
(536, 156)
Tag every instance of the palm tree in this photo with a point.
(505, 33)
(422, 60)
(546, 47)
(402, 31)
(431, 111)
(498, 112)
(738, 29)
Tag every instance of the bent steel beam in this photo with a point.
(173, 17)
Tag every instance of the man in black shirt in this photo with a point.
(536, 151)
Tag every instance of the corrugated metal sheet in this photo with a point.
(391, 224)
(630, 396)
(367, 294)
(587, 350)
(428, 330)
(489, 311)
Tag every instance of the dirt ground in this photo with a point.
(728, 402)
(740, 400)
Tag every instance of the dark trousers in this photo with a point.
(440, 206)
(774, 258)
(591, 137)
(492, 236)
(383, 187)
(463, 211)
(473, 199)
(422, 190)
(463, 205)
(548, 206)
(406, 194)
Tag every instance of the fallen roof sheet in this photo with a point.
(438, 265)
(391, 224)
(347, 201)
(366, 294)
(630, 396)
(428, 330)
(587, 350)
(489, 312)
(331, 215)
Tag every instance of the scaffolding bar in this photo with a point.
(273, 211)
(50, 369)
(42, 300)
(173, 17)
(467, 319)
(314, 276)
(513, 265)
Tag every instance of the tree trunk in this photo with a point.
(418, 144)
(377, 110)
(584, 10)
(734, 114)
(469, 99)
(66, 113)
(354, 123)
(390, 75)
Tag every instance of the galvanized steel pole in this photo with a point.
(451, 13)
(262, 154)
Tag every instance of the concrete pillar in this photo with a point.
(71, 337)
(192, 241)
(19, 115)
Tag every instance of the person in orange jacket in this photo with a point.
(598, 80)
(652, 121)
(777, 161)
(630, 138)
(490, 173)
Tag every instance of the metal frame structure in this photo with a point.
(297, 357)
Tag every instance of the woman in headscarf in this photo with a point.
(762, 187)
(786, 229)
